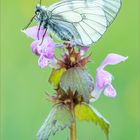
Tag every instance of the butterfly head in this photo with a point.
(41, 13)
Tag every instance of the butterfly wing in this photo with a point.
(59, 118)
(85, 21)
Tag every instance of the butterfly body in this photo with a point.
(81, 21)
(43, 17)
(61, 31)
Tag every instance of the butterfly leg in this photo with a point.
(43, 37)
(39, 30)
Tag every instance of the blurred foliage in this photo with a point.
(23, 84)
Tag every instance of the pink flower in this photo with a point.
(104, 78)
(45, 49)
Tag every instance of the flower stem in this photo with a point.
(73, 127)
(73, 131)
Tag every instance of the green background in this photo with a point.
(23, 84)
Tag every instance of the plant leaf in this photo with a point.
(55, 76)
(89, 113)
(59, 118)
(77, 80)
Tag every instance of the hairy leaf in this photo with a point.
(55, 76)
(88, 113)
(59, 118)
(77, 80)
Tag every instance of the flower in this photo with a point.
(104, 78)
(43, 46)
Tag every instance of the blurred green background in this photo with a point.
(23, 83)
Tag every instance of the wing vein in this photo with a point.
(96, 22)
(86, 32)
(93, 28)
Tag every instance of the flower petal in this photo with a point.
(34, 47)
(110, 91)
(43, 61)
(53, 64)
(33, 31)
(104, 78)
(112, 59)
(46, 48)
(83, 51)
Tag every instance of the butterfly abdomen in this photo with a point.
(61, 31)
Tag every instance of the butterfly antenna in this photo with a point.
(40, 2)
(29, 23)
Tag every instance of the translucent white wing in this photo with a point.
(86, 20)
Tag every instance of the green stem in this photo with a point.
(73, 128)
(73, 131)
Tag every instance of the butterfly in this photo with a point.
(81, 21)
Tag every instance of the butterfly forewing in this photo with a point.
(85, 20)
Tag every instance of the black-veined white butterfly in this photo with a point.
(81, 21)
